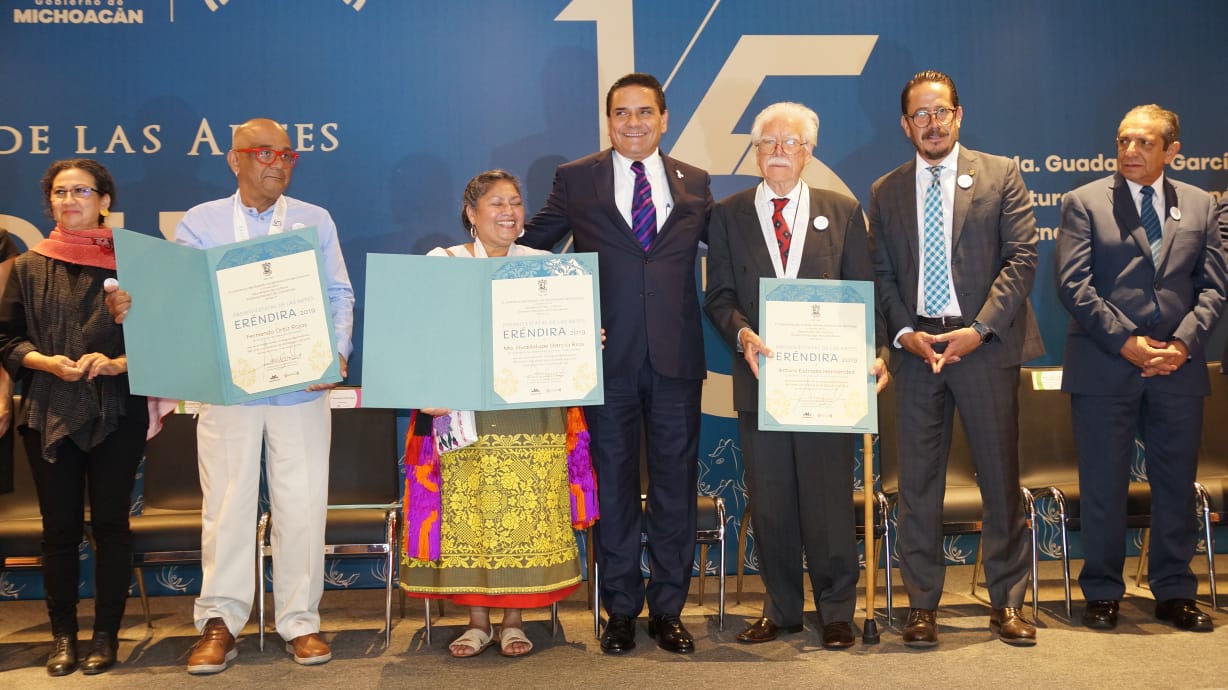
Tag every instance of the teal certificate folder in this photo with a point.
(822, 334)
(226, 325)
(482, 334)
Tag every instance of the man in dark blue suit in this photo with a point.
(1141, 271)
(644, 214)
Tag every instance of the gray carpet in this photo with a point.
(1141, 653)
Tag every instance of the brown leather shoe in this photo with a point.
(837, 635)
(310, 649)
(921, 630)
(1012, 627)
(215, 649)
(764, 630)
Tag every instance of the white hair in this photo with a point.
(787, 109)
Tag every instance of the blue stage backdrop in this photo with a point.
(395, 104)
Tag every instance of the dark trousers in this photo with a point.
(1104, 430)
(801, 497)
(667, 409)
(108, 471)
(988, 403)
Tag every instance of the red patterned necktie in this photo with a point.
(783, 234)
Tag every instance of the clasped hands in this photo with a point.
(1155, 357)
(753, 346)
(959, 343)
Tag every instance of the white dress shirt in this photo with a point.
(624, 186)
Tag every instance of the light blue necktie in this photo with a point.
(937, 268)
(1151, 223)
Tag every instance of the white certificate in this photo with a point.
(275, 323)
(543, 338)
(822, 334)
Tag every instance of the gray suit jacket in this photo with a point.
(993, 254)
(738, 257)
(1113, 289)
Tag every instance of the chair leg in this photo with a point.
(743, 529)
(427, 606)
(595, 577)
(1142, 558)
(720, 604)
(1204, 503)
(591, 557)
(140, 588)
(1029, 502)
(703, 566)
(554, 619)
(261, 532)
(976, 566)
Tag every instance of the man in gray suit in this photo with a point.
(954, 259)
(1141, 271)
(800, 484)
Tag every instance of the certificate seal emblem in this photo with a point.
(1175, 213)
(964, 181)
(821, 222)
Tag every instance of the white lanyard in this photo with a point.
(275, 225)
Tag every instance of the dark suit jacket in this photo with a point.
(1111, 287)
(993, 254)
(738, 257)
(649, 302)
(1223, 238)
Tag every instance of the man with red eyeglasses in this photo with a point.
(294, 428)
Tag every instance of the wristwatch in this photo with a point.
(983, 331)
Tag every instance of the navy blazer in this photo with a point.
(649, 300)
(1107, 280)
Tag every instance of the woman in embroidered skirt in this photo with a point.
(77, 419)
(489, 524)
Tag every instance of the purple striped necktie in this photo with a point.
(643, 213)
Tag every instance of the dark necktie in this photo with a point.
(643, 213)
(784, 235)
(1151, 223)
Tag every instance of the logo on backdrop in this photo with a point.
(78, 12)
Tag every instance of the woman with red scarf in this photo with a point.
(77, 419)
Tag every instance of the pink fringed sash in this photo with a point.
(422, 502)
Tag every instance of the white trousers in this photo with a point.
(296, 439)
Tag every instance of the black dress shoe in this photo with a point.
(837, 635)
(1184, 614)
(921, 629)
(103, 650)
(619, 635)
(670, 634)
(1101, 614)
(63, 659)
(764, 630)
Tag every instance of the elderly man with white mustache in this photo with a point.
(800, 483)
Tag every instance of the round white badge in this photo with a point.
(110, 283)
(1175, 213)
(964, 181)
(821, 222)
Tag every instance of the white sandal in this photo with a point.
(511, 636)
(474, 639)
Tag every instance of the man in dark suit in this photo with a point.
(644, 214)
(1141, 271)
(800, 484)
(954, 259)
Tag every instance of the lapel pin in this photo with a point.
(678, 173)
(964, 181)
(821, 222)
(1175, 213)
